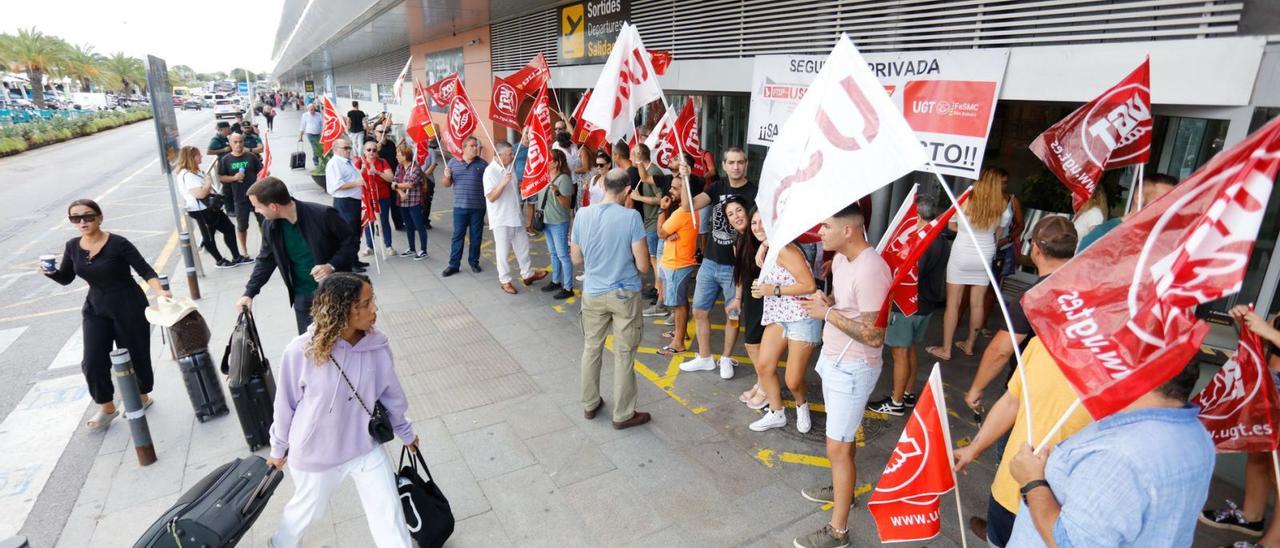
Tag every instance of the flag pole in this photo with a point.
(688, 192)
(964, 543)
(1057, 425)
(963, 220)
(1275, 464)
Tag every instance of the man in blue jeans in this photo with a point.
(715, 276)
(467, 174)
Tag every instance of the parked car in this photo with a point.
(193, 104)
(226, 107)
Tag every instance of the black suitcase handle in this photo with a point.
(260, 490)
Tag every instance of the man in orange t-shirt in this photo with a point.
(675, 225)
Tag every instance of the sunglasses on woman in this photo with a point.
(85, 218)
(602, 165)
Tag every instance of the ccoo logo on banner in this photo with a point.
(948, 99)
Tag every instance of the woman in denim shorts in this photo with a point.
(788, 327)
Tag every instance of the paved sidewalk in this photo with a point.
(492, 381)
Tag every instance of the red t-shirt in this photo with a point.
(372, 177)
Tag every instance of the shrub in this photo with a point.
(16, 138)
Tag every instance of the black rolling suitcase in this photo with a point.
(249, 378)
(217, 511)
(203, 386)
(298, 160)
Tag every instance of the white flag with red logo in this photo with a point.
(461, 122)
(627, 83)
(905, 503)
(419, 127)
(335, 126)
(1113, 130)
(398, 87)
(1119, 317)
(504, 104)
(661, 149)
(901, 250)
(536, 174)
(1239, 406)
(844, 140)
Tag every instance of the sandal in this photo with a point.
(669, 334)
(749, 394)
(668, 351)
(967, 352)
(936, 351)
(760, 401)
(150, 400)
(101, 420)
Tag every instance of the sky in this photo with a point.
(208, 36)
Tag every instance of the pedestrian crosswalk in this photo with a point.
(35, 433)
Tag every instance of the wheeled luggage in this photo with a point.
(249, 378)
(217, 511)
(298, 160)
(203, 386)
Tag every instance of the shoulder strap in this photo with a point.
(351, 386)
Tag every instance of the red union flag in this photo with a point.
(462, 122)
(541, 109)
(687, 130)
(844, 140)
(531, 76)
(369, 206)
(536, 175)
(661, 142)
(504, 104)
(626, 84)
(266, 159)
(906, 499)
(1118, 318)
(1111, 131)
(660, 59)
(419, 127)
(907, 242)
(335, 126)
(443, 91)
(584, 133)
(1239, 406)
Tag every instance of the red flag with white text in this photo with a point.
(902, 250)
(1119, 318)
(444, 90)
(905, 503)
(419, 127)
(504, 104)
(369, 206)
(335, 126)
(530, 77)
(461, 122)
(1239, 405)
(541, 108)
(536, 174)
(266, 159)
(584, 133)
(1113, 130)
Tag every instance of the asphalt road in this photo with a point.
(39, 318)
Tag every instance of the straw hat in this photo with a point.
(168, 311)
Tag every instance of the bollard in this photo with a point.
(188, 255)
(122, 368)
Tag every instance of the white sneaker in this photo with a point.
(771, 419)
(366, 252)
(803, 424)
(726, 367)
(698, 364)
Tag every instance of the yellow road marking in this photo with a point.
(963, 442)
(665, 382)
(857, 492)
(814, 407)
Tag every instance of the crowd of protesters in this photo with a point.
(634, 240)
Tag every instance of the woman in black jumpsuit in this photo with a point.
(113, 309)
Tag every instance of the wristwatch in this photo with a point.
(1031, 486)
(777, 291)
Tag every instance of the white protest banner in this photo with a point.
(947, 97)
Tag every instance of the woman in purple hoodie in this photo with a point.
(321, 422)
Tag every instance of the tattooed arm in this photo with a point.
(861, 329)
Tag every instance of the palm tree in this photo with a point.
(123, 73)
(35, 53)
(83, 65)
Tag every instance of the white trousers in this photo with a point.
(505, 239)
(375, 481)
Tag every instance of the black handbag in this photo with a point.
(538, 223)
(426, 510)
(379, 420)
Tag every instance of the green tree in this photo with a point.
(83, 65)
(124, 73)
(36, 54)
(182, 73)
(243, 75)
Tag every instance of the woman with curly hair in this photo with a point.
(966, 269)
(331, 378)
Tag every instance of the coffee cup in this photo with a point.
(49, 263)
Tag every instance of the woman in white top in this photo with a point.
(967, 266)
(594, 193)
(196, 188)
(1092, 213)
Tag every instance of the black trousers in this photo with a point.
(120, 327)
(302, 310)
(211, 222)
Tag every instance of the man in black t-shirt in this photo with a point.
(237, 170)
(355, 124)
(218, 147)
(1053, 243)
(715, 275)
